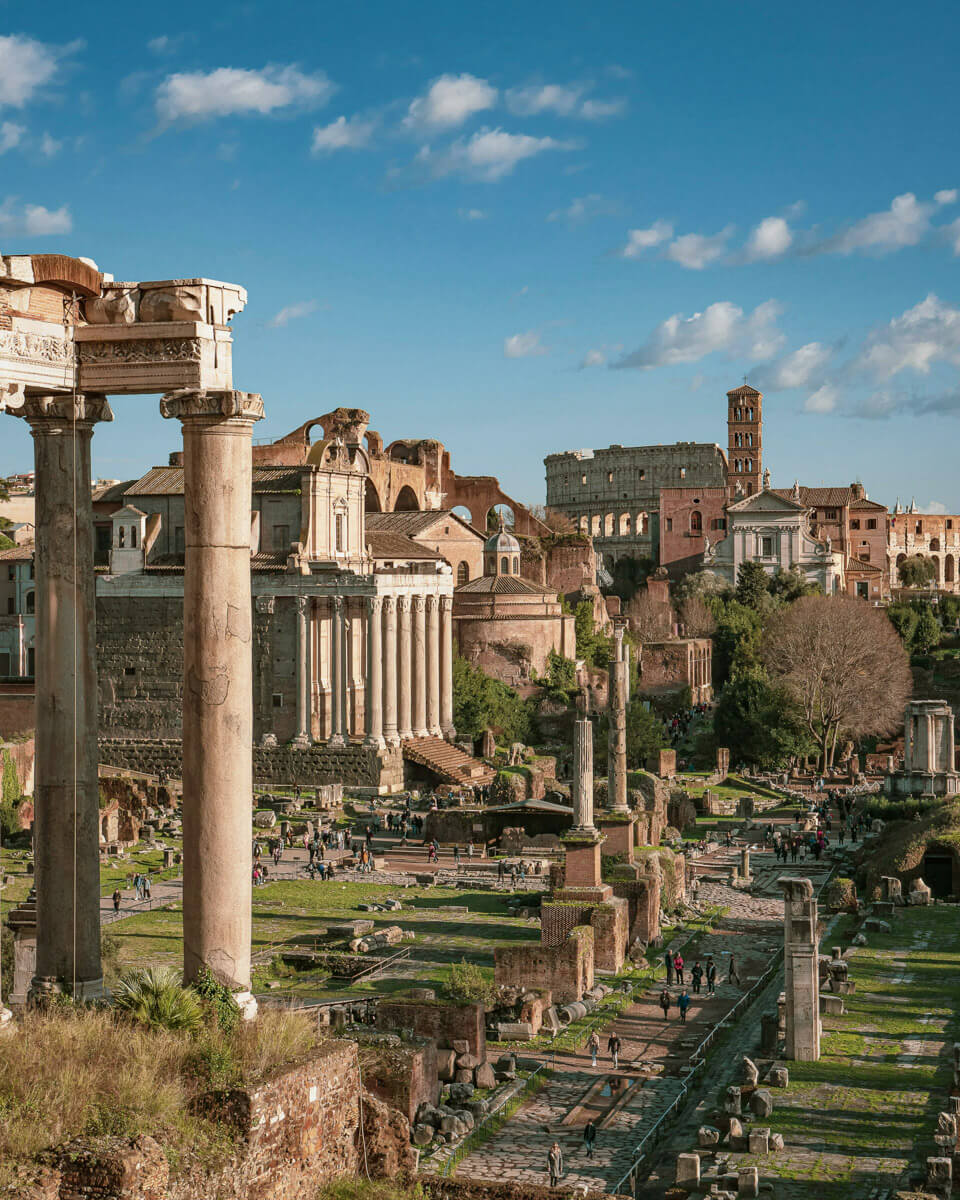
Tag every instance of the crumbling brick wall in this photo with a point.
(566, 970)
(610, 924)
(443, 1022)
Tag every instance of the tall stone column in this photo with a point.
(303, 739)
(433, 666)
(336, 672)
(217, 671)
(374, 671)
(446, 668)
(582, 784)
(346, 672)
(405, 680)
(66, 792)
(419, 668)
(390, 671)
(617, 725)
(801, 969)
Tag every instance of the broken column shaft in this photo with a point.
(217, 672)
(617, 732)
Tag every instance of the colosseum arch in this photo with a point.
(608, 525)
(624, 525)
(406, 500)
(949, 569)
(595, 526)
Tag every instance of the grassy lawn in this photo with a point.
(867, 1109)
(293, 912)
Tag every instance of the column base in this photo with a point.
(392, 739)
(449, 733)
(404, 735)
(6, 1021)
(421, 733)
(44, 988)
(246, 1002)
(302, 742)
(374, 743)
(336, 742)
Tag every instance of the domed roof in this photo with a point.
(501, 542)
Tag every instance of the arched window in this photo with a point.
(121, 536)
(31, 602)
(133, 536)
(516, 566)
(749, 439)
(738, 465)
(504, 565)
(463, 573)
(749, 464)
(696, 522)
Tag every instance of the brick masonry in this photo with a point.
(443, 1023)
(566, 970)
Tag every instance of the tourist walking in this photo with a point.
(593, 1045)
(116, 900)
(456, 856)
(696, 975)
(732, 973)
(614, 1046)
(555, 1164)
(668, 963)
(665, 1001)
(589, 1137)
(678, 966)
(711, 976)
(683, 1003)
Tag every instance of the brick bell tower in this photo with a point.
(744, 441)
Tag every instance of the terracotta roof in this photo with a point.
(18, 553)
(818, 497)
(503, 585)
(112, 491)
(872, 504)
(858, 565)
(398, 545)
(744, 390)
(263, 560)
(168, 481)
(413, 523)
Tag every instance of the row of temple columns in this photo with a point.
(217, 696)
(408, 667)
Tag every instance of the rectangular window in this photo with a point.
(583, 481)
(766, 547)
(11, 573)
(669, 524)
(609, 477)
(5, 665)
(277, 700)
(854, 524)
(341, 539)
(872, 523)
(281, 537)
(949, 523)
(683, 472)
(643, 473)
(830, 514)
(10, 608)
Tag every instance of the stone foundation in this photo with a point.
(565, 970)
(357, 767)
(443, 1023)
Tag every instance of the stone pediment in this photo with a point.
(765, 501)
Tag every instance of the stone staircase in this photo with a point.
(449, 764)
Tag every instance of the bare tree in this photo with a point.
(556, 522)
(696, 618)
(651, 620)
(843, 663)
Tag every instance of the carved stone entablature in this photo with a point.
(82, 409)
(36, 347)
(142, 350)
(164, 356)
(212, 404)
(204, 301)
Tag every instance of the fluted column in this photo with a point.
(302, 740)
(617, 725)
(390, 671)
(374, 671)
(336, 672)
(446, 668)
(66, 792)
(433, 665)
(404, 688)
(419, 668)
(582, 782)
(217, 692)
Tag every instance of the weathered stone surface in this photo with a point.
(484, 1076)
(759, 1141)
(422, 1135)
(776, 1142)
(467, 1062)
(761, 1103)
(751, 1073)
(688, 1170)
(460, 1046)
(779, 1077)
(446, 1065)
(731, 1102)
(708, 1136)
(748, 1183)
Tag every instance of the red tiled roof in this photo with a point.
(18, 553)
(168, 481)
(398, 545)
(744, 390)
(503, 585)
(858, 566)
(413, 523)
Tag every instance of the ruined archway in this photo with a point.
(371, 500)
(501, 511)
(608, 525)
(463, 573)
(624, 528)
(949, 569)
(406, 500)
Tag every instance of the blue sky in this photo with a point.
(522, 228)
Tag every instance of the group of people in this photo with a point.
(680, 722)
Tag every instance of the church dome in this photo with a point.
(501, 542)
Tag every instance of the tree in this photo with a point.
(561, 677)
(791, 584)
(629, 575)
(701, 583)
(556, 522)
(696, 617)
(592, 646)
(480, 702)
(760, 723)
(917, 571)
(904, 618)
(650, 620)
(645, 735)
(948, 608)
(843, 665)
(4, 489)
(926, 635)
(752, 585)
(736, 640)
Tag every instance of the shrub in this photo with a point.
(154, 996)
(218, 1000)
(466, 983)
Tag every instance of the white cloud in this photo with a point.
(946, 196)
(581, 208)
(10, 135)
(292, 312)
(449, 101)
(33, 220)
(342, 134)
(639, 240)
(593, 358)
(49, 146)
(905, 223)
(952, 232)
(488, 155)
(921, 337)
(823, 400)
(200, 96)
(698, 250)
(472, 214)
(26, 66)
(599, 110)
(552, 97)
(770, 239)
(523, 345)
(159, 45)
(801, 366)
(722, 327)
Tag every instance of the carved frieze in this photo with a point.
(142, 350)
(35, 347)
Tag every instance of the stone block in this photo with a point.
(446, 1065)
(460, 1092)
(707, 1136)
(920, 894)
(731, 1102)
(422, 1135)
(460, 1046)
(779, 1077)
(761, 1103)
(940, 1175)
(751, 1073)
(748, 1182)
(515, 1031)
(688, 1170)
(832, 1005)
(461, 1075)
(467, 1062)
(484, 1076)
(776, 1142)
(759, 1141)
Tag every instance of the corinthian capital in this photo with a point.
(418, 604)
(66, 409)
(212, 405)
